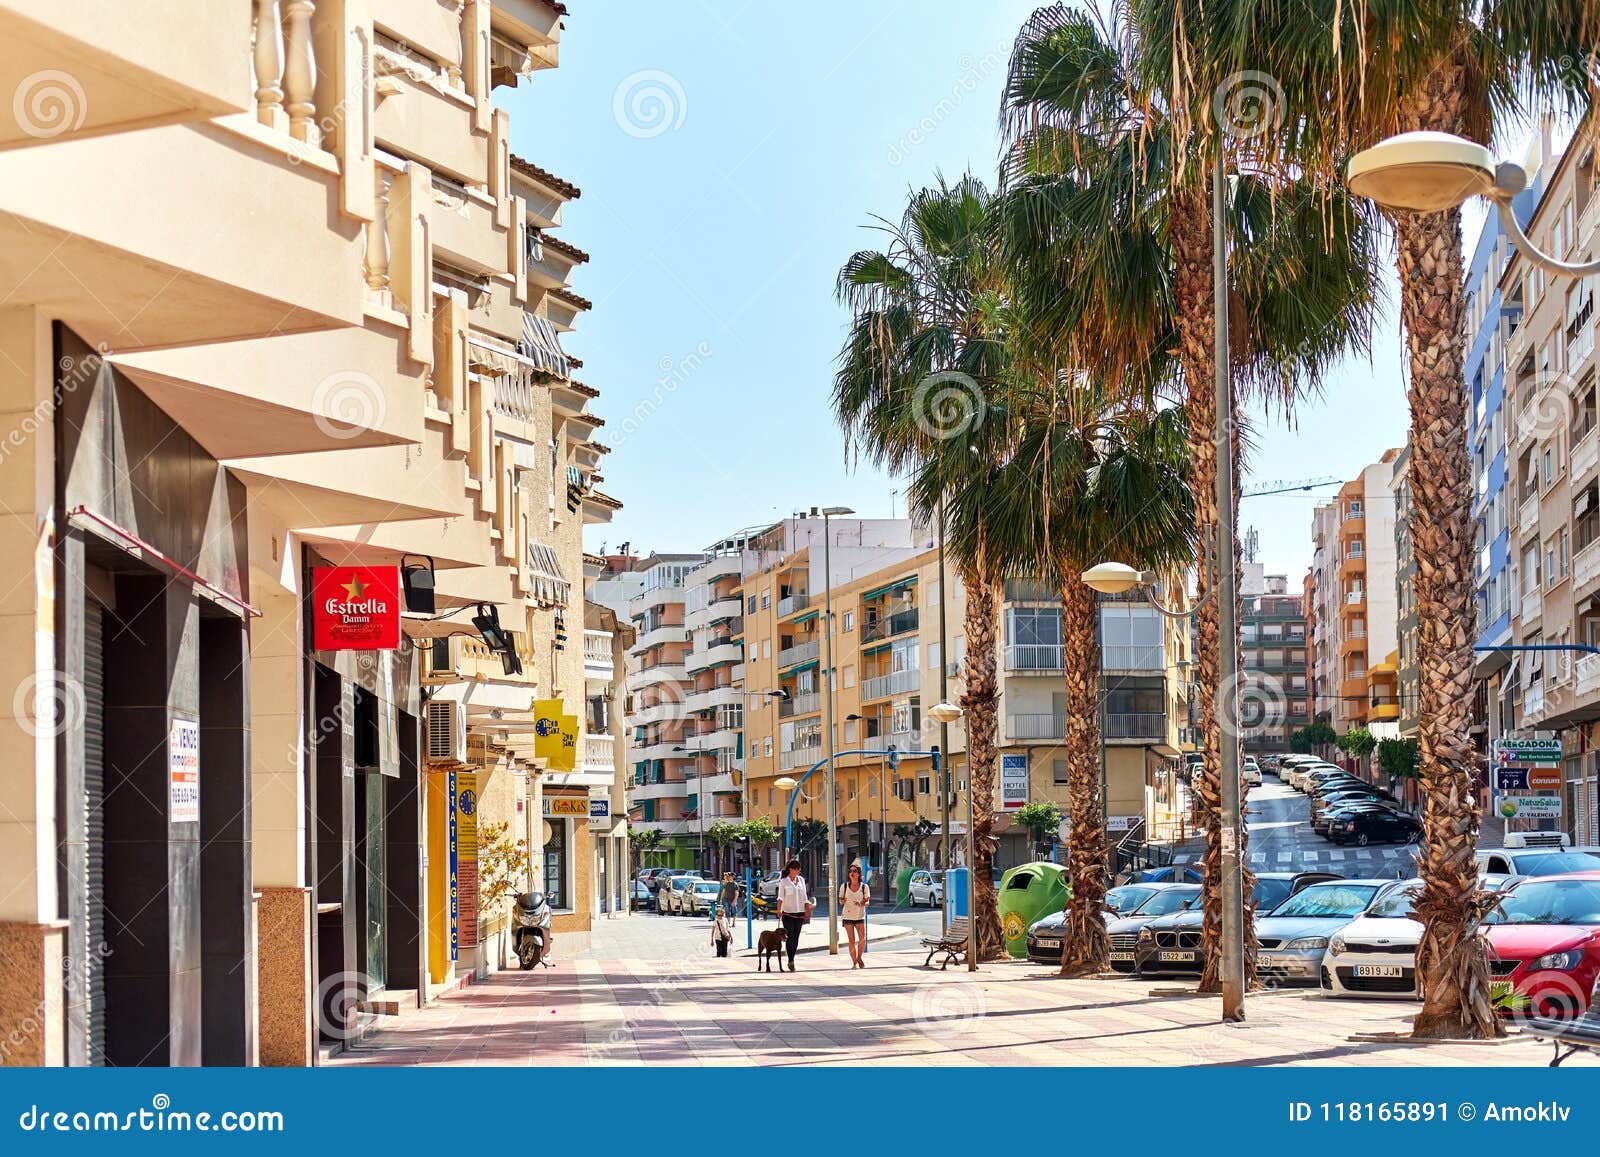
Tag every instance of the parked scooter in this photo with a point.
(530, 928)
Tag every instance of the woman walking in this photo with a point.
(853, 897)
(794, 907)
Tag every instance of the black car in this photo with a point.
(1350, 799)
(1170, 945)
(1344, 811)
(1377, 826)
(643, 899)
(1044, 935)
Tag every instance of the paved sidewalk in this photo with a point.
(705, 1011)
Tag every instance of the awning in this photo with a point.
(1509, 679)
(805, 618)
(486, 696)
(1581, 507)
(494, 359)
(540, 344)
(550, 586)
(897, 585)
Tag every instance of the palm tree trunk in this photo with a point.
(981, 700)
(1450, 959)
(1086, 948)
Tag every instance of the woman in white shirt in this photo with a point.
(794, 906)
(853, 897)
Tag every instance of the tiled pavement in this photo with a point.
(704, 1011)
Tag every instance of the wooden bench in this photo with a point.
(953, 944)
(1571, 1035)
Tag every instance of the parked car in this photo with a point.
(1379, 825)
(1252, 772)
(1354, 797)
(699, 898)
(1299, 773)
(1539, 861)
(1293, 940)
(1315, 777)
(643, 900)
(1170, 945)
(1544, 939)
(1325, 820)
(1044, 935)
(659, 876)
(1375, 955)
(1125, 898)
(1352, 783)
(926, 889)
(1169, 873)
(669, 897)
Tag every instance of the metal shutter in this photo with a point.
(94, 736)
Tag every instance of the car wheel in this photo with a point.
(1363, 839)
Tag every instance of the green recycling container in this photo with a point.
(1030, 892)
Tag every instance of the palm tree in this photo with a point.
(913, 395)
(1348, 75)
(1106, 221)
(1112, 472)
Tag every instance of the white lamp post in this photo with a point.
(945, 713)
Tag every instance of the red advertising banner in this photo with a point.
(355, 608)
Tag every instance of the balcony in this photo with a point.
(799, 653)
(1147, 726)
(1036, 726)
(1533, 702)
(1585, 457)
(1132, 657)
(660, 673)
(720, 652)
(899, 740)
(711, 698)
(1585, 568)
(799, 757)
(793, 604)
(657, 636)
(1528, 515)
(1042, 657)
(889, 626)
(599, 754)
(597, 662)
(806, 704)
(1353, 643)
(1586, 676)
(718, 611)
(895, 683)
(1531, 605)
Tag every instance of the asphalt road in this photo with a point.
(1281, 840)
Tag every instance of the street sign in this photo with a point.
(1013, 782)
(1544, 778)
(1510, 779)
(1531, 807)
(1527, 752)
(1121, 823)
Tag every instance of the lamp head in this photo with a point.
(784, 783)
(944, 712)
(1428, 172)
(1112, 578)
(836, 511)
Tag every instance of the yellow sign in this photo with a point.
(557, 805)
(555, 735)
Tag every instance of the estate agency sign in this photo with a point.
(355, 608)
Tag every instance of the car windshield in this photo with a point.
(1328, 900)
(1555, 863)
(1397, 904)
(708, 886)
(1128, 898)
(1168, 900)
(1550, 902)
(1269, 894)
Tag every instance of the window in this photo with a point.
(850, 730)
(933, 593)
(849, 620)
(848, 674)
(924, 785)
(766, 599)
(872, 789)
(766, 648)
(750, 605)
(1060, 774)
(1131, 639)
(766, 747)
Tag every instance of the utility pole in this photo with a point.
(942, 777)
(833, 799)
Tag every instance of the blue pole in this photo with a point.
(794, 793)
(749, 926)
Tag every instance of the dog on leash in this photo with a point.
(771, 943)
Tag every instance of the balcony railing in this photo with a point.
(1355, 598)
(895, 624)
(599, 753)
(1036, 726)
(793, 603)
(1135, 725)
(1531, 604)
(1132, 657)
(799, 756)
(800, 705)
(1585, 567)
(1586, 675)
(1585, 454)
(1033, 657)
(895, 683)
(799, 653)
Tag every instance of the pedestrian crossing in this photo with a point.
(1348, 861)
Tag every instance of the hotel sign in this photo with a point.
(355, 608)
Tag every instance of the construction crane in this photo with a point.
(1288, 485)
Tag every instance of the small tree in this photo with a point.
(1398, 758)
(645, 841)
(1043, 820)
(761, 833)
(1358, 743)
(720, 835)
(502, 867)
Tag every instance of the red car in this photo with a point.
(1545, 939)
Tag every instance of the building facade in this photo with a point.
(320, 326)
(1272, 635)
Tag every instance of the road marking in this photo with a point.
(1336, 854)
(1285, 857)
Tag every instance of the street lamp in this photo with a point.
(785, 784)
(1429, 172)
(945, 713)
(827, 642)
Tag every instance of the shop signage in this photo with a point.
(555, 735)
(560, 805)
(355, 608)
(599, 812)
(451, 837)
(1013, 782)
(1531, 807)
(1509, 779)
(1121, 823)
(1527, 752)
(1544, 778)
(183, 770)
(466, 822)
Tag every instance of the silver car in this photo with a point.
(699, 898)
(1293, 940)
(669, 898)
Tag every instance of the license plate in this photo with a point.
(1393, 970)
(1267, 960)
(1045, 944)
(1122, 956)
(1175, 957)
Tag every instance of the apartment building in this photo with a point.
(1407, 672)
(318, 326)
(1275, 649)
(1353, 599)
(1548, 323)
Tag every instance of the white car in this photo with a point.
(669, 897)
(926, 889)
(1375, 955)
(1252, 772)
(1539, 861)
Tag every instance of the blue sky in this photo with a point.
(730, 155)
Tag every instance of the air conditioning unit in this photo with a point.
(447, 731)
